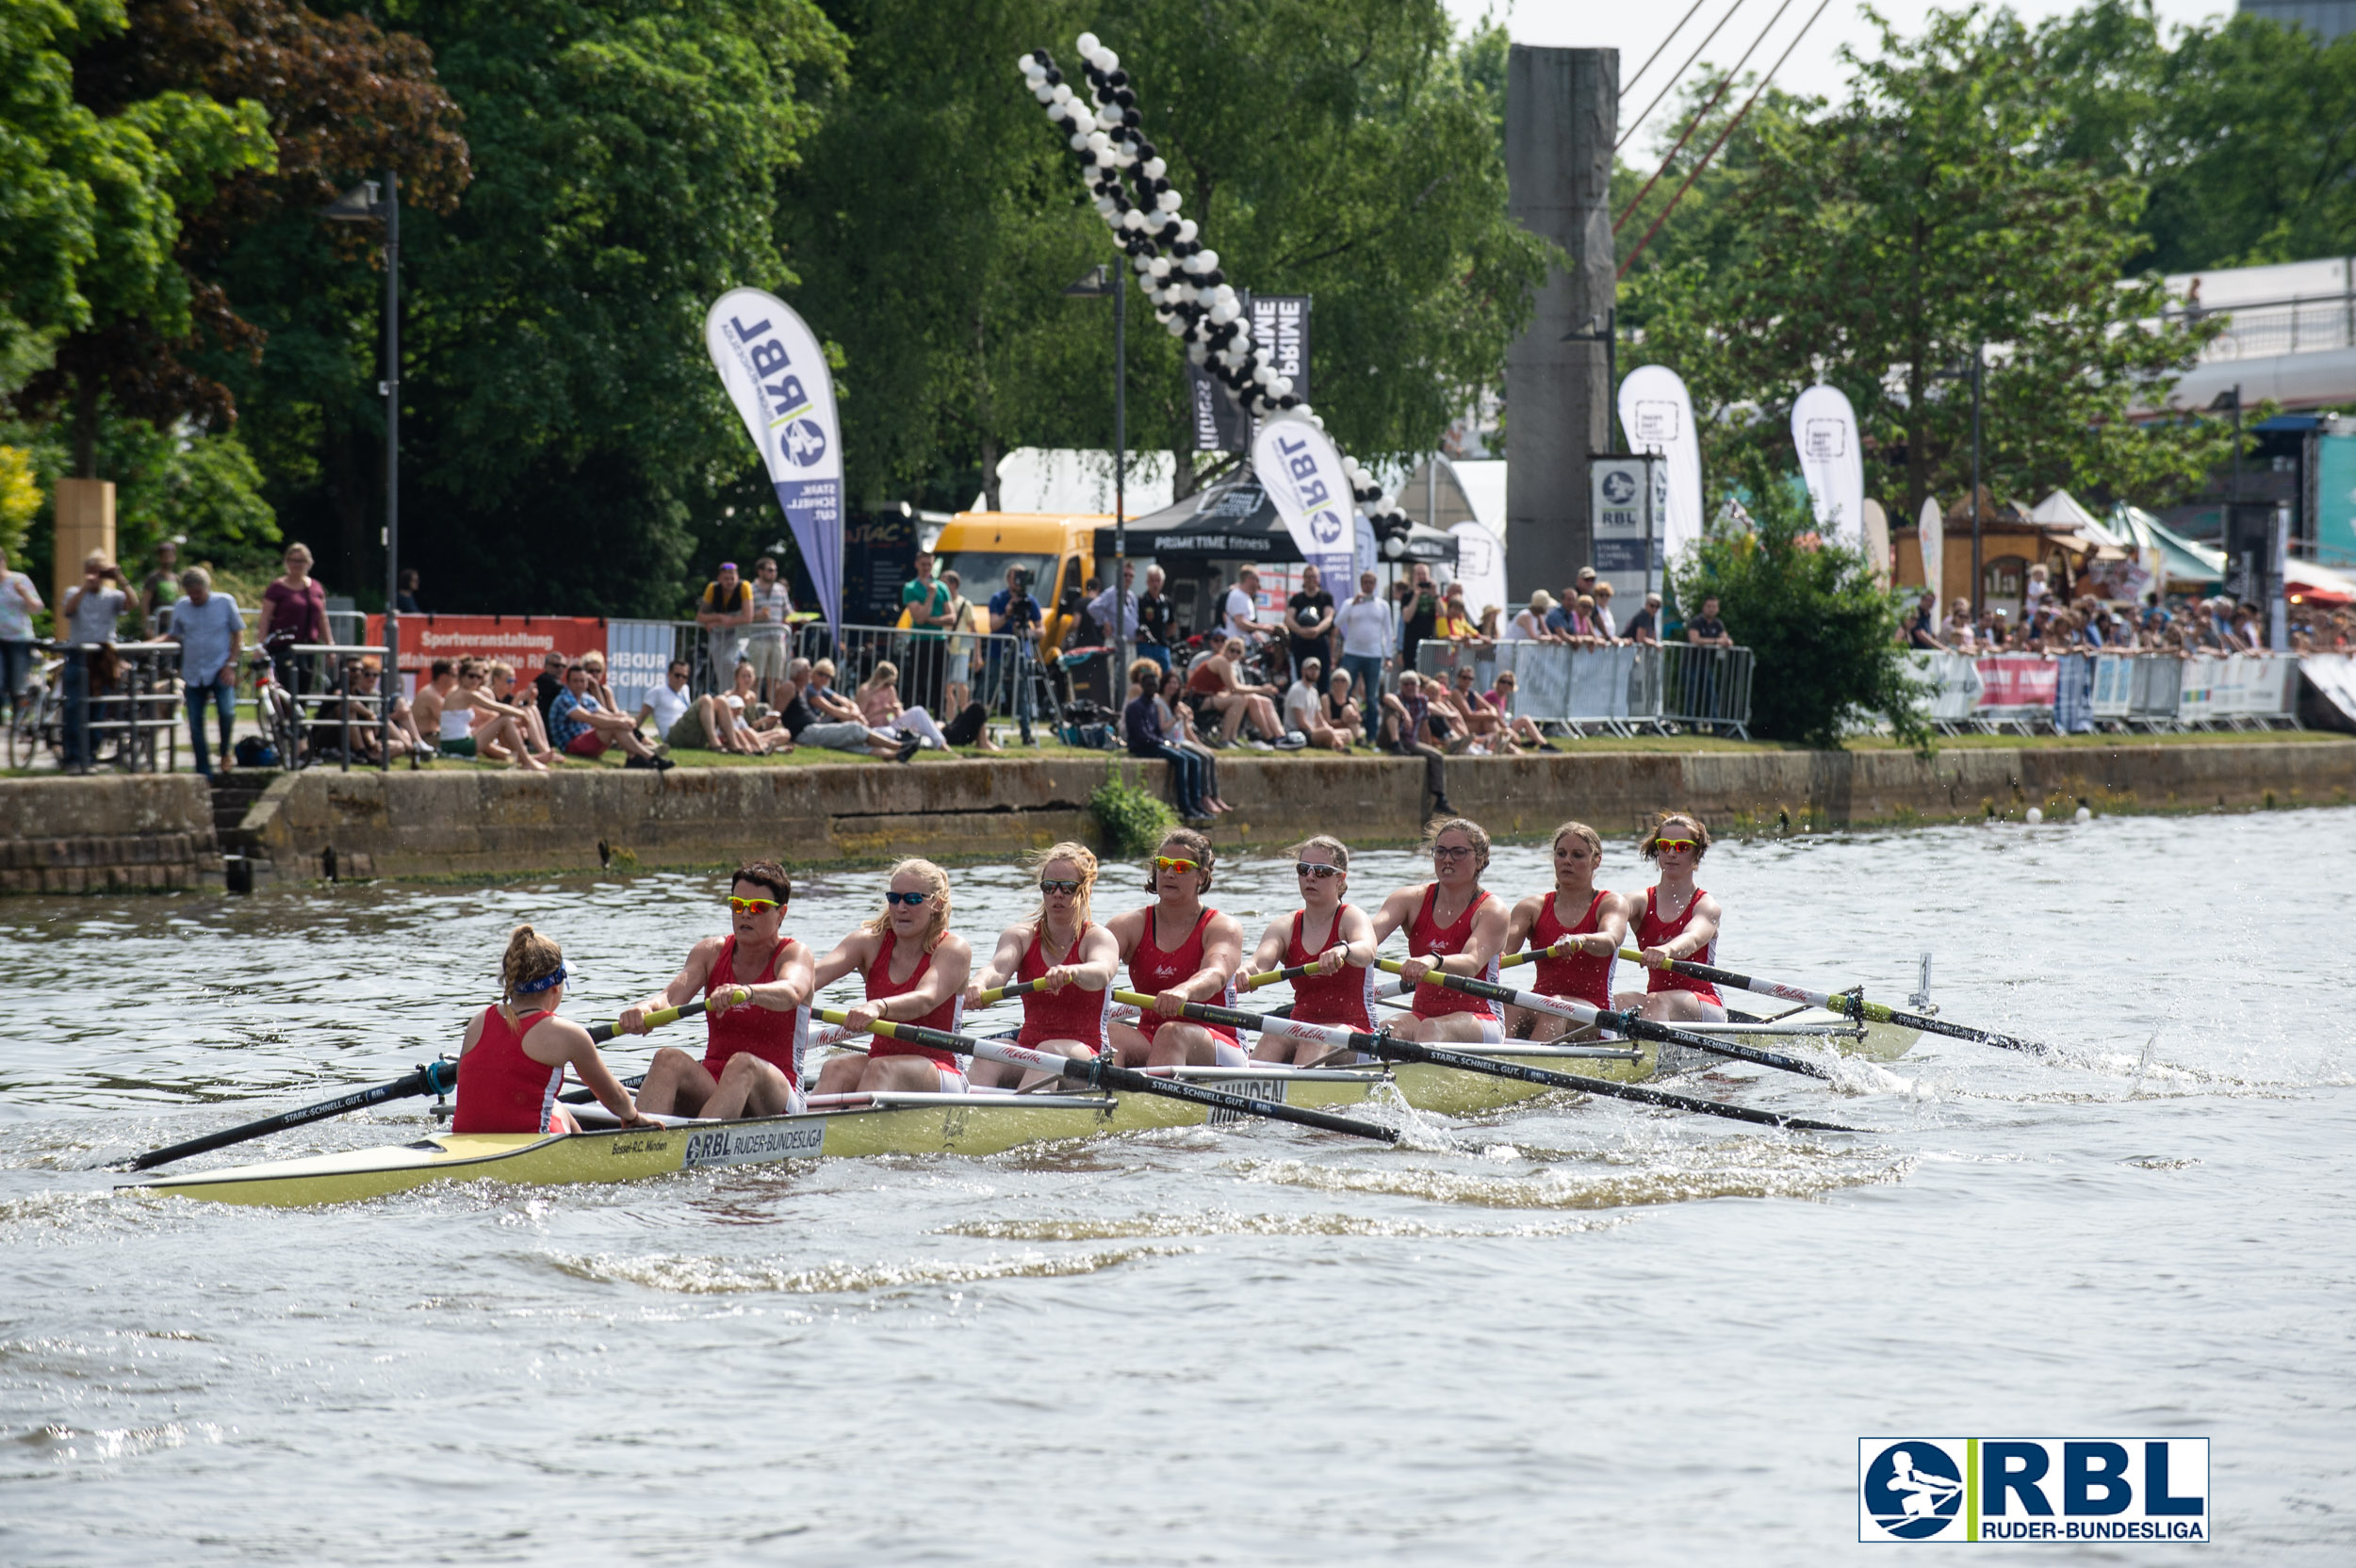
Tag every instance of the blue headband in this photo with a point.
(534, 987)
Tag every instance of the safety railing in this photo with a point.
(2074, 693)
(121, 722)
(1616, 690)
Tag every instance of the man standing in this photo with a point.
(1240, 614)
(924, 604)
(764, 638)
(91, 610)
(1368, 631)
(1643, 627)
(1120, 622)
(1419, 616)
(1157, 620)
(1309, 622)
(1013, 613)
(1706, 630)
(161, 589)
(207, 628)
(723, 613)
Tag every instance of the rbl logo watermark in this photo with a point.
(2081, 1489)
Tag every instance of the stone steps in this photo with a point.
(235, 791)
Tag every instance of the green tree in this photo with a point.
(1824, 634)
(1877, 245)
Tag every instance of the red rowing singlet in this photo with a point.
(1587, 977)
(944, 1018)
(1154, 971)
(501, 1089)
(1345, 997)
(1652, 931)
(777, 1039)
(1073, 1012)
(1424, 939)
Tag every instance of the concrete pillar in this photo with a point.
(86, 522)
(1561, 111)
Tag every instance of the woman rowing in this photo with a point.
(914, 967)
(1069, 961)
(1587, 922)
(1331, 938)
(1178, 951)
(1676, 920)
(514, 1055)
(757, 984)
(1455, 926)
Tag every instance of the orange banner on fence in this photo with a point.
(521, 640)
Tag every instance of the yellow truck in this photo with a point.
(1059, 552)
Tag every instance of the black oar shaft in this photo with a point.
(1856, 1007)
(1412, 1051)
(432, 1078)
(1098, 1072)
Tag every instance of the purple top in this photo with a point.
(303, 613)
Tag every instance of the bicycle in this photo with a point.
(37, 720)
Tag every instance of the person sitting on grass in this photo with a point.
(1219, 681)
(1304, 707)
(1500, 697)
(501, 685)
(757, 728)
(879, 704)
(839, 726)
(684, 721)
(582, 727)
(594, 662)
(1340, 712)
(1483, 723)
(1411, 728)
(447, 708)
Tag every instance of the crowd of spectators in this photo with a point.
(2180, 627)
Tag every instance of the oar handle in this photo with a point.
(1291, 971)
(602, 1033)
(1102, 1073)
(432, 1078)
(999, 993)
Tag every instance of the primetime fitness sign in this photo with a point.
(2062, 1489)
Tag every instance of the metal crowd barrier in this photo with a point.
(939, 669)
(1618, 690)
(2076, 693)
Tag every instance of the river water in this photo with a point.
(1576, 1331)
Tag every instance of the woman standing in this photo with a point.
(512, 1061)
(1676, 920)
(914, 967)
(1575, 914)
(1071, 959)
(1455, 926)
(294, 609)
(1333, 938)
(1179, 950)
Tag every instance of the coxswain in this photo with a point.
(514, 1055)
(1070, 959)
(1455, 925)
(1179, 950)
(1334, 939)
(757, 985)
(914, 967)
(1676, 920)
(1589, 922)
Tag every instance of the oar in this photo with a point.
(436, 1078)
(1851, 1002)
(1626, 1024)
(1411, 1051)
(1099, 1073)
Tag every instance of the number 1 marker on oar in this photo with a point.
(1411, 1051)
(435, 1078)
(1852, 1004)
(1100, 1073)
(1626, 1024)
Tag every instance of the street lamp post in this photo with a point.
(1095, 282)
(360, 204)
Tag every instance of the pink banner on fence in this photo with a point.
(2016, 680)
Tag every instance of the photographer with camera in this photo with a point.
(90, 612)
(1013, 613)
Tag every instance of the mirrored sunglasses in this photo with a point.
(752, 906)
(1310, 868)
(1680, 845)
(1174, 862)
(911, 900)
(1058, 885)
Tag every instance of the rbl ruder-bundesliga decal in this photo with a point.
(2033, 1489)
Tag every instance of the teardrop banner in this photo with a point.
(1930, 531)
(1824, 429)
(1657, 414)
(1304, 477)
(776, 374)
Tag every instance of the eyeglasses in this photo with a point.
(753, 906)
(1066, 886)
(1310, 868)
(1173, 862)
(911, 900)
(1451, 852)
(1680, 845)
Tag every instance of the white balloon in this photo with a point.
(1063, 92)
(1168, 201)
(1177, 328)
(1087, 43)
(1159, 267)
(1197, 353)
(1079, 141)
(1107, 61)
(1042, 91)
(1263, 374)
(1208, 258)
(1096, 142)
(1156, 168)
(1279, 387)
(1187, 231)
(1132, 220)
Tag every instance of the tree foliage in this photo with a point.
(1881, 242)
(1823, 632)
